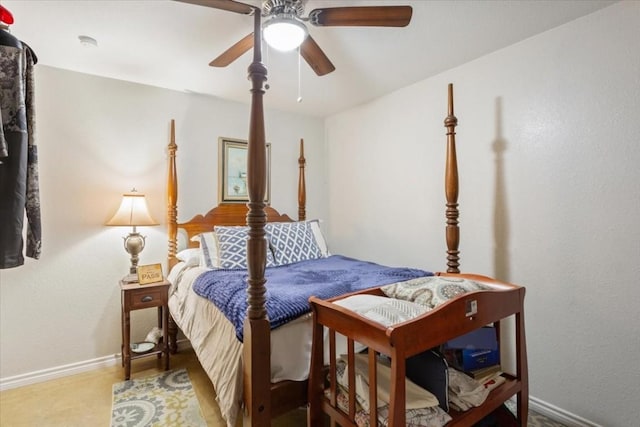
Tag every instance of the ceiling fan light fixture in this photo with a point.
(284, 33)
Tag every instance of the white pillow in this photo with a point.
(190, 256)
(209, 249)
(320, 240)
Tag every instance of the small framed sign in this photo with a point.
(151, 273)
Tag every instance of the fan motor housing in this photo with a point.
(279, 7)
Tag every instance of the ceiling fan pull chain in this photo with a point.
(299, 76)
(265, 52)
(265, 49)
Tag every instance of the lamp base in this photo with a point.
(134, 244)
(130, 278)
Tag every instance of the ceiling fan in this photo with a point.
(286, 16)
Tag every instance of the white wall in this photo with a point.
(98, 138)
(555, 209)
(549, 148)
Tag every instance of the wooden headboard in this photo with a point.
(222, 214)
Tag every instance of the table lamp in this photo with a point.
(133, 211)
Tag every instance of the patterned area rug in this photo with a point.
(167, 399)
(539, 420)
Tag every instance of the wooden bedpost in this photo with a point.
(257, 339)
(172, 224)
(172, 199)
(302, 186)
(451, 190)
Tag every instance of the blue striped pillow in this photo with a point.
(208, 249)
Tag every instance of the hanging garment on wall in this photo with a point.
(19, 188)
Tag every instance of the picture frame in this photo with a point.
(232, 171)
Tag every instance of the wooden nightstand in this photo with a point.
(135, 297)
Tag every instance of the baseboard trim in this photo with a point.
(66, 370)
(558, 414)
(57, 372)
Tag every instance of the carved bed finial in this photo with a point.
(172, 198)
(451, 190)
(302, 186)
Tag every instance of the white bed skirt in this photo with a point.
(214, 341)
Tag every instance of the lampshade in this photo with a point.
(284, 32)
(133, 211)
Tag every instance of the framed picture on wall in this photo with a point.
(232, 171)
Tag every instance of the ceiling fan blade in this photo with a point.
(234, 52)
(362, 16)
(315, 57)
(230, 5)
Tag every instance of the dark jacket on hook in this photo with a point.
(19, 188)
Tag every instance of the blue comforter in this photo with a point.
(289, 287)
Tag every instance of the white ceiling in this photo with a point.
(170, 44)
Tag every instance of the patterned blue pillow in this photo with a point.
(232, 241)
(292, 242)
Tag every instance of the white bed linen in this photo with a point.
(213, 339)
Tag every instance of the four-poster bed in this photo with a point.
(264, 396)
(285, 395)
